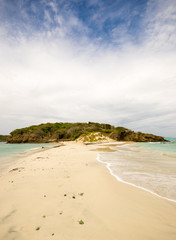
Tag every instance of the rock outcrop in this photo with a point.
(129, 135)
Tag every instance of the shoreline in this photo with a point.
(108, 166)
(13, 157)
(132, 184)
(30, 149)
(55, 189)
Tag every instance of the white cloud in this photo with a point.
(56, 79)
(160, 25)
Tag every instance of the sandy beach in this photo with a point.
(48, 194)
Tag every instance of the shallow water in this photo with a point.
(11, 149)
(145, 165)
(164, 147)
(10, 153)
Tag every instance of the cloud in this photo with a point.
(160, 25)
(61, 73)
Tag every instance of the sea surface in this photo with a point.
(7, 149)
(10, 153)
(150, 166)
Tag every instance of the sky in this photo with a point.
(107, 61)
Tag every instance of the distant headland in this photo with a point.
(85, 132)
(3, 138)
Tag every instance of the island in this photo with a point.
(3, 138)
(85, 132)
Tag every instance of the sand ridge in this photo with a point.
(48, 194)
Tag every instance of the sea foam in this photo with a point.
(142, 168)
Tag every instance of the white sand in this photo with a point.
(32, 198)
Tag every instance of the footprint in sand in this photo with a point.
(67, 176)
(16, 169)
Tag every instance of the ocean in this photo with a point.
(10, 152)
(7, 150)
(150, 166)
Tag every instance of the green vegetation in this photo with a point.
(81, 222)
(37, 229)
(3, 138)
(55, 132)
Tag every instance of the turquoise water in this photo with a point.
(11, 149)
(167, 147)
(150, 166)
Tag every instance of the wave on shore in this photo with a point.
(142, 167)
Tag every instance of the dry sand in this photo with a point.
(46, 194)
